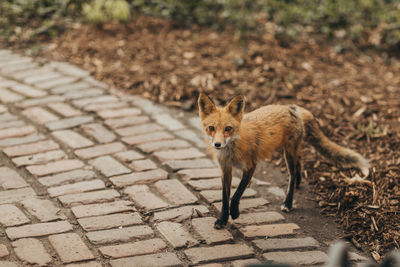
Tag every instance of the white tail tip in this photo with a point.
(364, 166)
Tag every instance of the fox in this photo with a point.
(240, 140)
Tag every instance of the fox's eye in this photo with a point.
(228, 128)
(211, 128)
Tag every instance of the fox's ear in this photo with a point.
(236, 106)
(206, 105)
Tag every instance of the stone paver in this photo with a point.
(99, 132)
(100, 150)
(161, 259)
(72, 139)
(110, 221)
(12, 216)
(143, 165)
(8, 142)
(10, 179)
(126, 121)
(168, 122)
(189, 174)
(17, 131)
(32, 148)
(43, 209)
(176, 235)
(70, 247)
(40, 115)
(64, 109)
(109, 166)
(144, 198)
(269, 230)
(10, 196)
(3, 251)
(31, 251)
(12, 124)
(296, 257)
(178, 154)
(139, 177)
(119, 235)
(55, 167)
(133, 249)
(40, 158)
(116, 113)
(175, 192)
(205, 228)
(189, 163)
(40, 101)
(8, 264)
(88, 197)
(245, 263)
(6, 96)
(128, 156)
(39, 229)
(102, 208)
(146, 138)
(67, 177)
(68, 122)
(220, 253)
(259, 218)
(162, 145)
(91, 176)
(271, 244)
(180, 214)
(139, 129)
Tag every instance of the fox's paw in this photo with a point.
(220, 223)
(285, 208)
(234, 211)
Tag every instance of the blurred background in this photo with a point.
(338, 58)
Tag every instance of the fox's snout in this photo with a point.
(218, 140)
(217, 144)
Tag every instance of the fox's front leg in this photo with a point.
(247, 174)
(226, 192)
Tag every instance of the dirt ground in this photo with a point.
(354, 93)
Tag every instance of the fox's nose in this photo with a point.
(218, 144)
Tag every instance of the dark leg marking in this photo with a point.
(226, 192)
(298, 174)
(291, 166)
(247, 174)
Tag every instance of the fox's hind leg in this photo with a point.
(292, 163)
(298, 173)
(247, 174)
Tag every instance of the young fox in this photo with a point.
(241, 140)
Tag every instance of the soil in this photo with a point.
(354, 94)
(305, 213)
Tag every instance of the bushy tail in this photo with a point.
(329, 149)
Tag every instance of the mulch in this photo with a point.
(354, 93)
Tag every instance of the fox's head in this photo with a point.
(221, 124)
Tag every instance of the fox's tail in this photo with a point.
(331, 150)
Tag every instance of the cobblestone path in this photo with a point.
(92, 177)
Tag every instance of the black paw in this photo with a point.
(285, 208)
(234, 211)
(220, 223)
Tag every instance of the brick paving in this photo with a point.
(92, 177)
